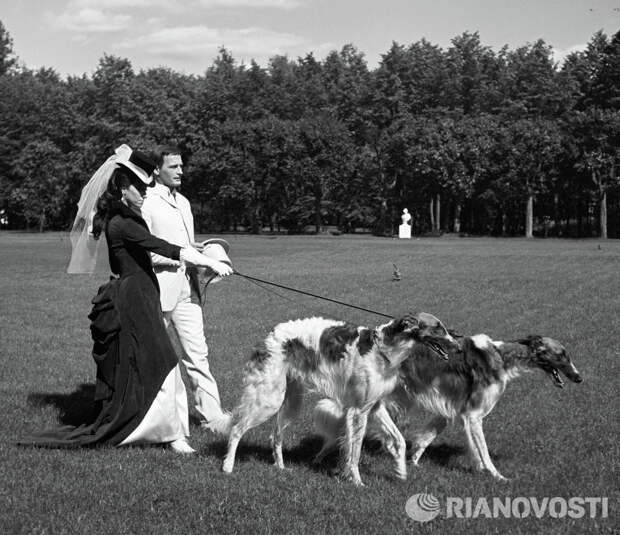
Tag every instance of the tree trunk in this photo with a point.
(529, 217)
(435, 208)
(603, 215)
(589, 219)
(432, 210)
(317, 214)
(457, 218)
(256, 220)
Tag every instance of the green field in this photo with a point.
(550, 442)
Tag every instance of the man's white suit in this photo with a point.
(169, 217)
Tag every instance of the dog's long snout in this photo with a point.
(439, 346)
(572, 373)
(575, 377)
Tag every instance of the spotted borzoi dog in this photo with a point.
(354, 365)
(467, 385)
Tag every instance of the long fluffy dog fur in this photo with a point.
(354, 365)
(467, 385)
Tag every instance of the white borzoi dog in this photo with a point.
(467, 385)
(354, 365)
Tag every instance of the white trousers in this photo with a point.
(186, 319)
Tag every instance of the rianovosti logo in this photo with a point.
(425, 507)
(422, 507)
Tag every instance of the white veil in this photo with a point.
(87, 252)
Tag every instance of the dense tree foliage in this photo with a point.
(471, 140)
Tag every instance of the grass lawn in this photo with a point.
(551, 442)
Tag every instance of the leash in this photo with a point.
(262, 287)
(257, 280)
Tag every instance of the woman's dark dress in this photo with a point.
(131, 347)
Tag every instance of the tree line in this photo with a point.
(469, 139)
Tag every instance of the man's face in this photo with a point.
(170, 172)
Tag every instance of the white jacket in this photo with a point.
(170, 218)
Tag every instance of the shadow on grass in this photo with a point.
(440, 454)
(301, 454)
(304, 452)
(75, 408)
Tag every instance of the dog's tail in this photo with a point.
(328, 419)
(221, 425)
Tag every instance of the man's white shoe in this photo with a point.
(181, 446)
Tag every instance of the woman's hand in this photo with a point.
(189, 255)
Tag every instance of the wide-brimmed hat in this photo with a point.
(218, 241)
(217, 249)
(138, 163)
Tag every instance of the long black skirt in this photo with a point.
(134, 356)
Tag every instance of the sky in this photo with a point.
(71, 36)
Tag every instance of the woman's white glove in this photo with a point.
(190, 255)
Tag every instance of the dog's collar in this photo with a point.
(385, 357)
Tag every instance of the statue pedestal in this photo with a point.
(404, 231)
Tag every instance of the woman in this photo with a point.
(139, 385)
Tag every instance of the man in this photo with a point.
(168, 216)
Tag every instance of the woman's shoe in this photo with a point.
(181, 446)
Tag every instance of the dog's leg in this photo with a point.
(329, 445)
(288, 411)
(393, 440)
(478, 446)
(356, 420)
(260, 400)
(475, 426)
(233, 441)
(473, 449)
(328, 419)
(423, 439)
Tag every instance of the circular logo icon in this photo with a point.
(422, 507)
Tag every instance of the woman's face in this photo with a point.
(133, 198)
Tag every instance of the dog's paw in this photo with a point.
(227, 468)
(335, 471)
(351, 478)
(401, 475)
(282, 467)
(415, 462)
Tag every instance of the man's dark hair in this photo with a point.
(162, 151)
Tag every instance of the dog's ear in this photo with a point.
(455, 334)
(409, 322)
(534, 342)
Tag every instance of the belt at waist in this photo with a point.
(168, 268)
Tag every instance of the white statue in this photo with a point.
(404, 229)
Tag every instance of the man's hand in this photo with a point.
(198, 245)
(222, 269)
